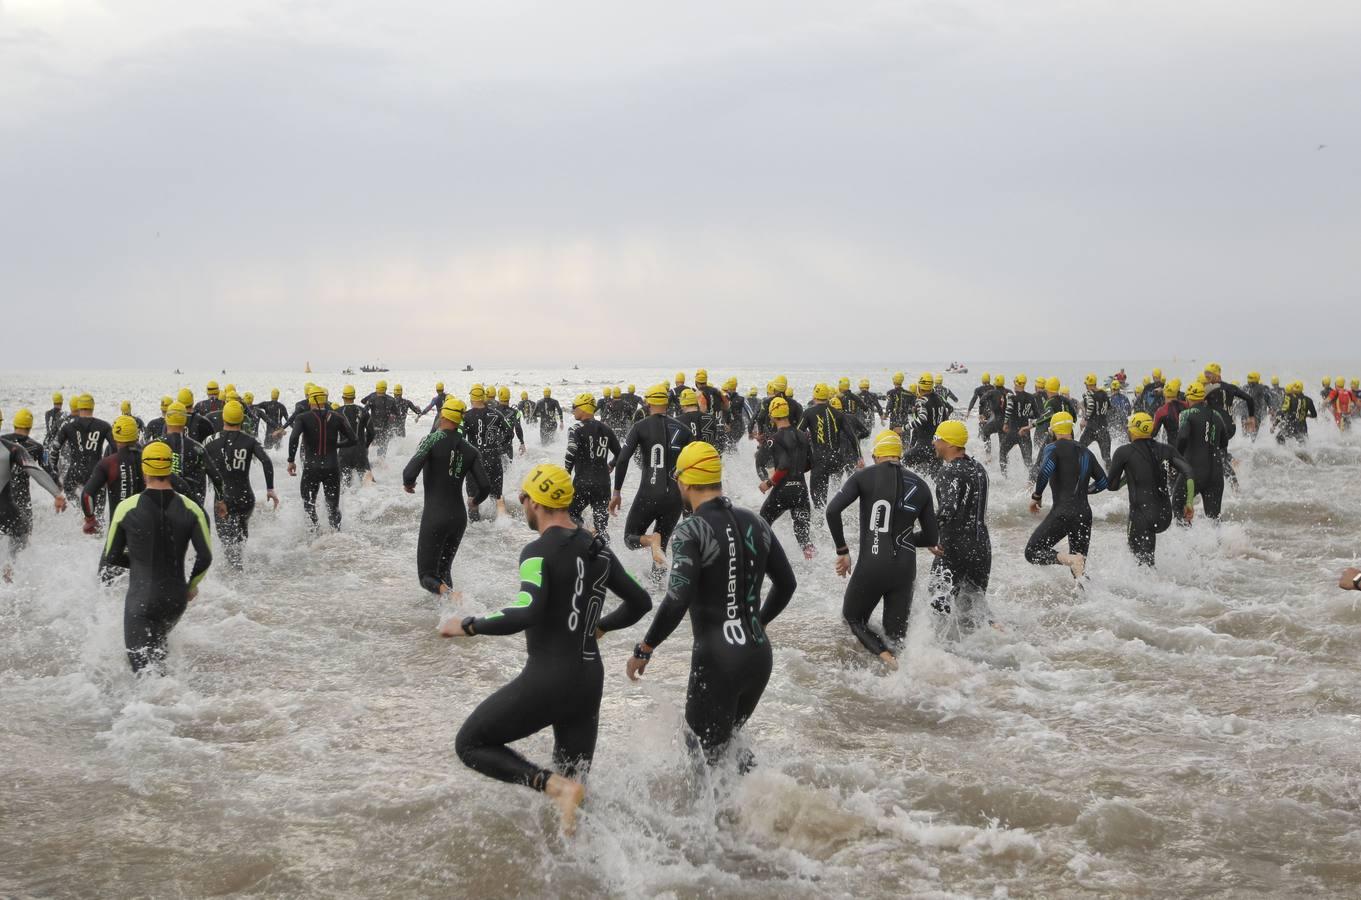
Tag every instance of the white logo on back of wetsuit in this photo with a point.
(732, 627)
(878, 522)
(657, 462)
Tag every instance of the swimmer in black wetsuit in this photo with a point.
(150, 534)
(88, 439)
(404, 406)
(1096, 408)
(592, 453)
(931, 409)
(829, 441)
(436, 404)
(1019, 411)
(443, 460)
(190, 463)
(1072, 472)
(1202, 440)
(892, 501)
(564, 574)
(786, 490)
(963, 564)
(322, 432)
(354, 457)
(1141, 464)
(548, 412)
(232, 451)
(487, 430)
(21, 461)
(722, 555)
(657, 440)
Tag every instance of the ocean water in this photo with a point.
(1190, 731)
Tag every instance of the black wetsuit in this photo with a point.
(790, 449)
(930, 411)
(1096, 407)
(592, 451)
(231, 453)
(1221, 395)
(827, 437)
(1020, 408)
(657, 440)
(1293, 420)
(443, 460)
(89, 439)
(21, 461)
(486, 429)
(1072, 472)
(991, 414)
(564, 575)
(963, 572)
(1261, 402)
(722, 554)
(320, 431)
(1141, 465)
(892, 502)
(154, 430)
(899, 404)
(702, 425)
(120, 476)
(150, 534)
(1202, 440)
(272, 413)
(384, 410)
(354, 457)
(193, 466)
(870, 407)
(548, 412)
(404, 406)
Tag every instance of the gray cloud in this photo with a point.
(764, 181)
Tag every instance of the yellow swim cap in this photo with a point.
(165, 402)
(689, 398)
(1254, 378)
(125, 429)
(1170, 390)
(1213, 369)
(125, 407)
(999, 381)
(316, 393)
(887, 445)
(1276, 380)
(23, 419)
(1195, 391)
(953, 432)
(864, 384)
(1052, 384)
(1090, 379)
(524, 395)
(381, 387)
(835, 402)
(779, 408)
(548, 392)
(1020, 379)
(1061, 423)
(680, 378)
(781, 384)
(212, 389)
(751, 392)
(397, 389)
(502, 393)
(584, 401)
(1141, 425)
(656, 395)
(176, 414)
(234, 413)
(843, 384)
(1340, 382)
(274, 394)
(157, 459)
(701, 376)
(348, 392)
(185, 397)
(699, 463)
(56, 399)
(987, 377)
(1356, 382)
(549, 485)
(729, 385)
(439, 386)
(248, 398)
(898, 378)
(1157, 374)
(822, 392)
(478, 394)
(631, 389)
(85, 401)
(453, 410)
(926, 382)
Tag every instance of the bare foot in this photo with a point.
(810, 551)
(567, 795)
(654, 543)
(1076, 562)
(890, 661)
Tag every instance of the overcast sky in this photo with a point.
(677, 182)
